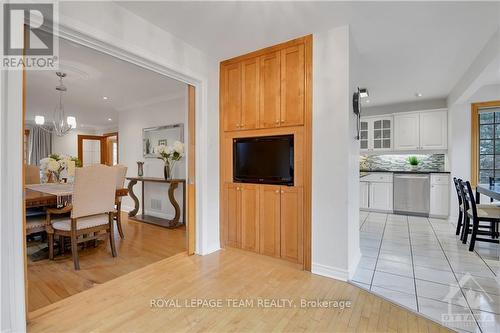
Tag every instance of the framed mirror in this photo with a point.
(161, 135)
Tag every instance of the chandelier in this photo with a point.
(61, 124)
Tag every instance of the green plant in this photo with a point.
(413, 160)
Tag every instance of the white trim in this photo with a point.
(330, 272)
(353, 265)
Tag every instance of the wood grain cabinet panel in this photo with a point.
(249, 217)
(233, 220)
(269, 221)
(292, 86)
(291, 223)
(231, 96)
(250, 94)
(270, 88)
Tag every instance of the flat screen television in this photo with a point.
(263, 160)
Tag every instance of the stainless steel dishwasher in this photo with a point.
(411, 194)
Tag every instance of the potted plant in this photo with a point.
(170, 155)
(413, 161)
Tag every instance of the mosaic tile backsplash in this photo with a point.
(431, 162)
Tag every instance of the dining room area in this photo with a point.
(105, 168)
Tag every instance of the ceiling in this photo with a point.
(405, 47)
(92, 75)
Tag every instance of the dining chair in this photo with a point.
(460, 205)
(92, 210)
(31, 174)
(477, 213)
(121, 173)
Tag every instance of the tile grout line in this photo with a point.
(412, 263)
(364, 221)
(379, 248)
(454, 274)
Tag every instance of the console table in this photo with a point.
(143, 217)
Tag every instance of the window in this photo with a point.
(485, 141)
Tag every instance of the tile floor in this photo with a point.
(420, 263)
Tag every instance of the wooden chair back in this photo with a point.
(32, 174)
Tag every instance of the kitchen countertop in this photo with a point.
(363, 173)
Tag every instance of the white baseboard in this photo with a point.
(210, 249)
(331, 272)
(354, 265)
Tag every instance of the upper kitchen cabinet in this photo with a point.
(421, 130)
(292, 86)
(433, 130)
(250, 93)
(376, 134)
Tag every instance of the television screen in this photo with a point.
(265, 160)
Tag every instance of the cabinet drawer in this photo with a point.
(440, 178)
(378, 177)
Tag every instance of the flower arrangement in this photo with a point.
(170, 155)
(55, 165)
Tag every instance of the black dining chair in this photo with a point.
(475, 214)
(460, 205)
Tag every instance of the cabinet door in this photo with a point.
(381, 136)
(292, 86)
(231, 96)
(439, 200)
(269, 221)
(364, 135)
(381, 196)
(433, 130)
(250, 217)
(406, 131)
(363, 195)
(233, 220)
(291, 224)
(270, 90)
(250, 70)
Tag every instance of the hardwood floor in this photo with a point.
(144, 244)
(124, 304)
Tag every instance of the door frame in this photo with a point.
(12, 146)
(101, 138)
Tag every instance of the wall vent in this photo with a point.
(156, 204)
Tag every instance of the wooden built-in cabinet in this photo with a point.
(266, 219)
(265, 93)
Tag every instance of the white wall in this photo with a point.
(459, 137)
(131, 123)
(68, 144)
(417, 105)
(335, 203)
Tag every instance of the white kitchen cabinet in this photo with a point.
(380, 196)
(427, 130)
(433, 130)
(363, 195)
(439, 195)
(406, 131)
(376, 134)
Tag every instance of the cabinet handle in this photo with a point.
(237, 189)
(282, 121)
(241, 125)
(282, 191)
(277, 121)
(277, 191)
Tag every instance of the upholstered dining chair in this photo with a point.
(477, 213)
(92, 210)
(121, 173)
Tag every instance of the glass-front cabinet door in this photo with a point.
(376, 134)
(363, 135)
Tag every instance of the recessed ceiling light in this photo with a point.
(105, 98)
(418, 94)
(109, 119)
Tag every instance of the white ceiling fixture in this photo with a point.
(105, 98)
(418, 95)
(61, 124)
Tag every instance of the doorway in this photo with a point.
(106, 149)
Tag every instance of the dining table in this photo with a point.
(490, 190)
(34, 196)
